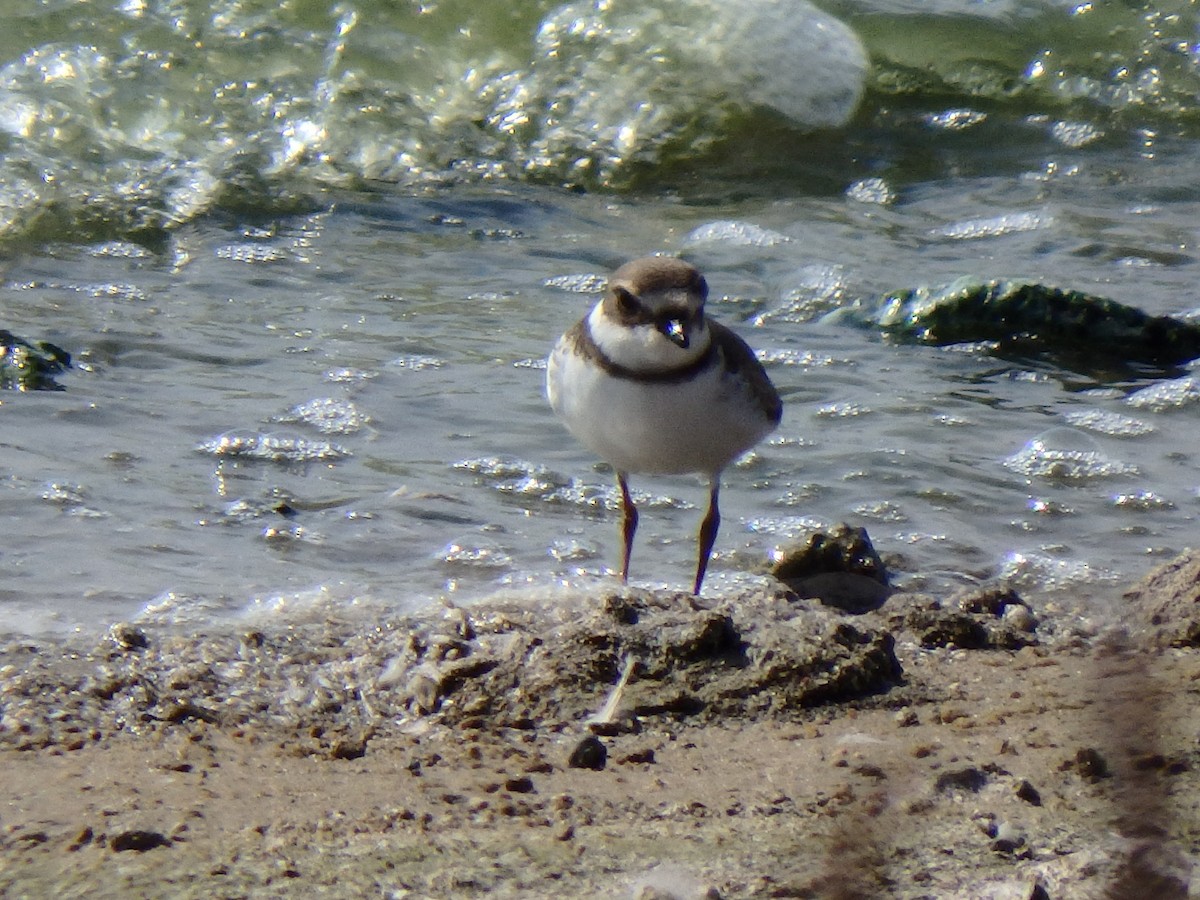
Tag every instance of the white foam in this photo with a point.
(1166, 395)
(738, 234)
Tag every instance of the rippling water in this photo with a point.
(309, 258)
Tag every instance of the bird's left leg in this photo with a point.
(629, 523)
(708, 531)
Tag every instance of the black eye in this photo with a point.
(627, 304)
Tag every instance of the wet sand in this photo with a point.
(764, 746)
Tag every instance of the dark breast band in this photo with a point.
(586, 345)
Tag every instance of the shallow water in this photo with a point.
(319, 381)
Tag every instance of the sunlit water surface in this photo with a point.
(309, 305)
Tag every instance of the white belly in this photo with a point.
(699, 425)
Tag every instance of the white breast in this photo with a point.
(699, 425)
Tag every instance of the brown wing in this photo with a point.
(739, 358)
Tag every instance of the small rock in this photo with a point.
(138, 840)
(1027, 792)
(424, 693)
(870, 770)
(128, 637)
(1007, 838)
(254, 639)
(83, 838)
(840, 568)
(968, 779)
(992, 600)
(645, 755)
(1020, 618)
(520, 785)
(589, 753)
(949, 714)
(349, 747)
(1090, 765)
(185, 710)
(949, 629)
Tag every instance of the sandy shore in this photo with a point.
(764, 746)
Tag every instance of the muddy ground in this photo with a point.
(761, 746)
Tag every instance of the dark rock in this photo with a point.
(1024, 317)
(349, 747)
(26, 366)
(990, 599)
(638, 756)
(185, 710)
(620, 609)
(840, 568)
(1090, 765)
(969, 779)
(140, 841)
(1027, 792)
(521, 784)
(589, 753)
(869, 770)
(128, 637)
(948, 629)
(1008, 844)
(977, 621)
(847, 591)
(254, 639)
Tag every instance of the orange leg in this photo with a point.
(629, 523)
(708, 531)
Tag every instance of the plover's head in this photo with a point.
(652, 314)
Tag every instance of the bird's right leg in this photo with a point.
(629, 522)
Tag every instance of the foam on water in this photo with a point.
(1063, 454)
(329, 415)
(1109, 422)
(1167, 395)
(745, 234)
(272, 447)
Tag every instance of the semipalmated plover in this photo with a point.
(650, 385)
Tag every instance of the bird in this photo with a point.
(653, 386)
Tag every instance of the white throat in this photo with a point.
(643, 348)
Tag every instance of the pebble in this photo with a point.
(1020, 618)
(1090, 765)
(589, 753)
(1027, 792)
(519, 785)
(967, 779)
(128, 637)
(138, 840)
(1007, 838)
